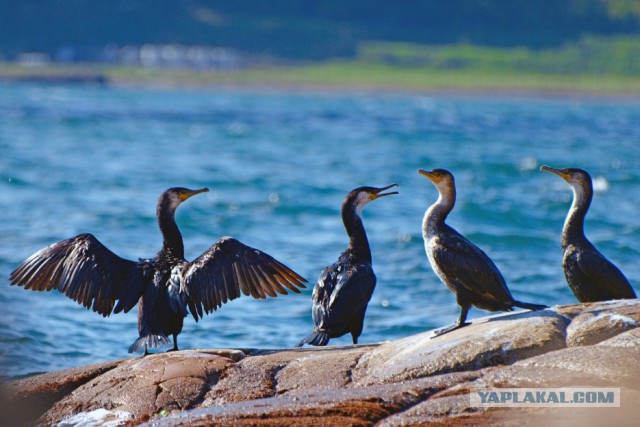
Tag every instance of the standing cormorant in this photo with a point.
(344, 289)
(86, 271)
(589, 274)
(463, 267)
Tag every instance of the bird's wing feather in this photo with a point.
(470, 267)
(322, 293)
(352, 292)
(604, 274)
(84, 270)
(229, 268)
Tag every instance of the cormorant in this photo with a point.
(590, 275)
(463, 267)
(344, 289)
(86, 271)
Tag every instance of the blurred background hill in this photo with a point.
(305, 30)
(543, 36)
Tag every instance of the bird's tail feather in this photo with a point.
(316, 337)
(529, 306)
(149, 341)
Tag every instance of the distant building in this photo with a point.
(33, 59)
(173, 56)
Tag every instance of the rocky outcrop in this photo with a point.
(415, 380)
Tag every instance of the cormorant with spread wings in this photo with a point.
(86, 271)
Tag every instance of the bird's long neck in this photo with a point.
(172, 245)
(573, 230)
(437, 213)
(358, 242)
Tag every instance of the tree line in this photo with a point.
(304, 30)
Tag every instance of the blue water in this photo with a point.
(94, 159)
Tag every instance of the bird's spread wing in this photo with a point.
(230, 267)
(351, 293)
(466, 264)
(84, 270)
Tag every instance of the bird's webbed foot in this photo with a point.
(449, 328)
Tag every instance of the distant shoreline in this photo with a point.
(310, 79)
(480, 92)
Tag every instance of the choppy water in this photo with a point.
(94, 159)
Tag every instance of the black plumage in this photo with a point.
(86, 271)
(340, 297)
(590, 275)
(462, 266)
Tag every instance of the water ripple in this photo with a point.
(94, 159)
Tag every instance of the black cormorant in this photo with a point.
(463, 267)
(344, 289)
(589, 274)
(86, 271)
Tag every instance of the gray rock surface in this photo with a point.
(417, 380)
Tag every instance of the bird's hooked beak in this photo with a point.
(378, 192)
(433, 177)
(190, 193)
(560, 172)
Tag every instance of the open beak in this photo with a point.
(429, 174)
(378, 192)
(192, 193)
(558, 172)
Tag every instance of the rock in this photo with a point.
(339, 407)
(602, 322)
(135, 388)
(416, 380)
(270, 373)
(496, 340)
(26, 399)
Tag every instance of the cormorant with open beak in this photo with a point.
(344, 289)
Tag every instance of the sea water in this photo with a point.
(94, 159)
